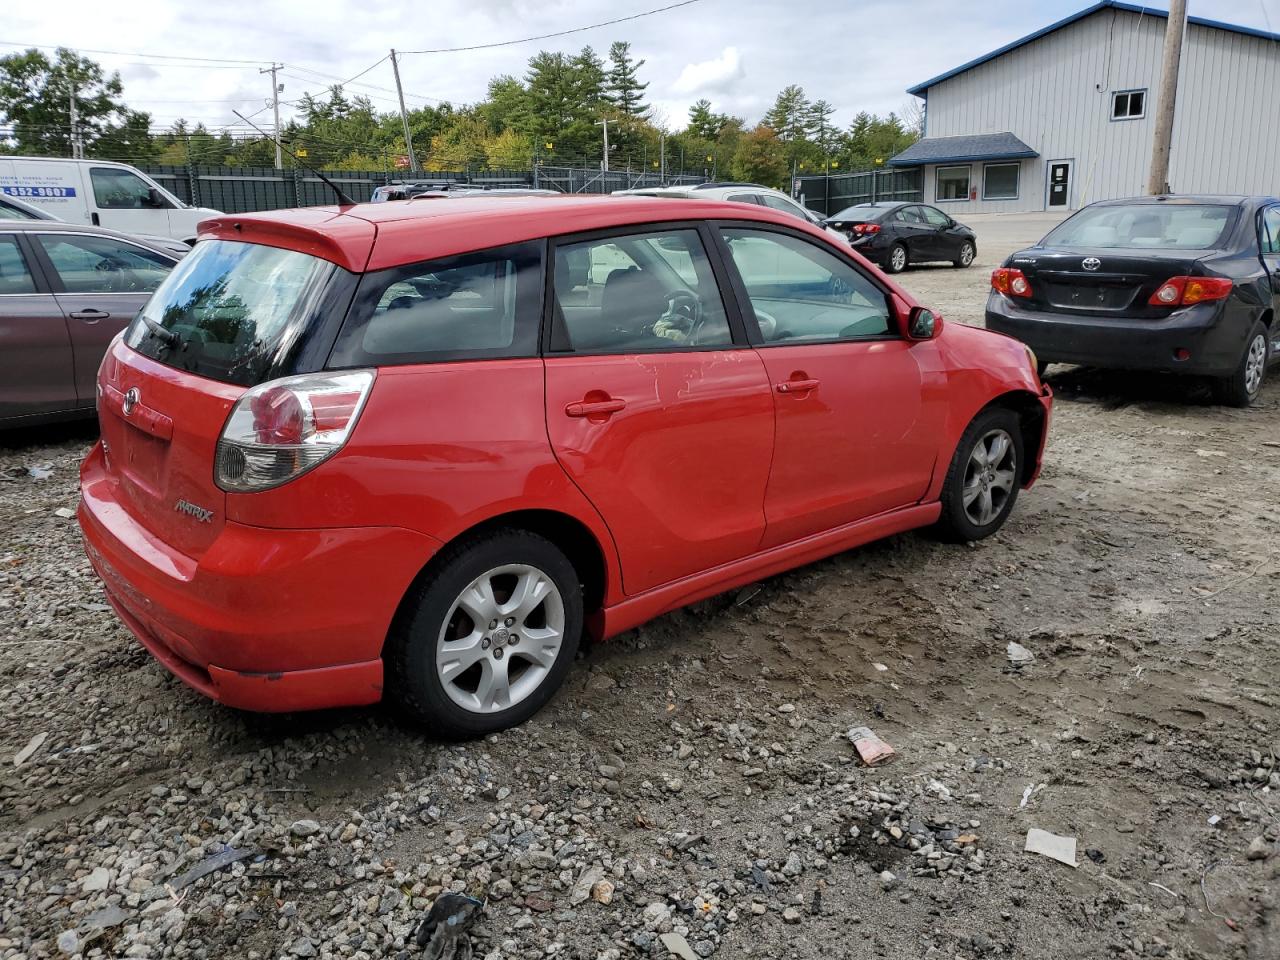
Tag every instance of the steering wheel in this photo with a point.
(767, 323)
(684, 313)
(121, 280)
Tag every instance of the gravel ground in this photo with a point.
(693, 778)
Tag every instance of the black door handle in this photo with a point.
(90, 315)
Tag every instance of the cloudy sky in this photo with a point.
(857, 54)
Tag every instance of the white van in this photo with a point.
(102, 193)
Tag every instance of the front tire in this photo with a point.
(487, 636)
(1242, 386)
(966, 256)
(982, 482)
(896, 260)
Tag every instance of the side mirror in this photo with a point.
(155, 199)
(923, 324)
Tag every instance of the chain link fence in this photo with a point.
(831, 194)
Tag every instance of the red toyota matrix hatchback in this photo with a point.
(418, 450)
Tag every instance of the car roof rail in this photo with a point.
(726, 183)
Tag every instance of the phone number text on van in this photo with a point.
(19, 191)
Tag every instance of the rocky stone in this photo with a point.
(97, 880)
(304, 828)
(1259, 849)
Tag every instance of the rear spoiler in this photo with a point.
(346, 241)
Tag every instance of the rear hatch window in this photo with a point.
(1149, 226)
(233, 312)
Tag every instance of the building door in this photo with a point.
(1059, 184)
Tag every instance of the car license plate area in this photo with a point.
(1097, 296)
(142, 460)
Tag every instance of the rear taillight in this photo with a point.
(1011, 282)
(866, 229)
(282, 429)
(1187, 291)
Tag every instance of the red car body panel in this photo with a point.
(706, 478)
(680, 472)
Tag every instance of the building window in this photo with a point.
(953, 184)
(1128, 104)
(1000, 181)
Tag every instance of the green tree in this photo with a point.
(704, 122)
(35, 97)
(623, 87)
(791, 116)
(761, 157)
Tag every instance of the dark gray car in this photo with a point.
(65, 292)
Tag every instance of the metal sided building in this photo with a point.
(1066, 115)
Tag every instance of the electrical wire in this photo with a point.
(558, 33)
(121, 53)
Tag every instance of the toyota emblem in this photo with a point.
(131, 399)
(1091, 263)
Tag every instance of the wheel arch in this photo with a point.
(580, 545)
(1031, 423)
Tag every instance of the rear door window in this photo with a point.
(475, 306)
(637, 293)
(87, 264)
(15, 278)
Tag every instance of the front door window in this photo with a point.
(800, 292)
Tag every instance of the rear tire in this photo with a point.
(983, 479)
(965, 258)
(466, 657)
(1242, 386)
(895, 260)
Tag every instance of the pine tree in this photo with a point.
(791, 116)
(623, 86)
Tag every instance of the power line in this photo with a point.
(121, 53)
(558, 33)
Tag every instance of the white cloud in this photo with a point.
(711, 75)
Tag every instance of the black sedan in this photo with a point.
(894, 234)
(1178, 284)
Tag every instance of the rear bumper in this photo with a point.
(1214, 343)
(265, 619)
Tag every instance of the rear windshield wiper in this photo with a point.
(163, 334)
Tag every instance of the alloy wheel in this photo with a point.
(989, 477)
(966, 254)
(898, 259)
(1254, 364)
(501, 638)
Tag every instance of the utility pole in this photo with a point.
(275, 109)
(1158, 182)
(604, 165)
(404, 115)
(662, 157)
(77, 146)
